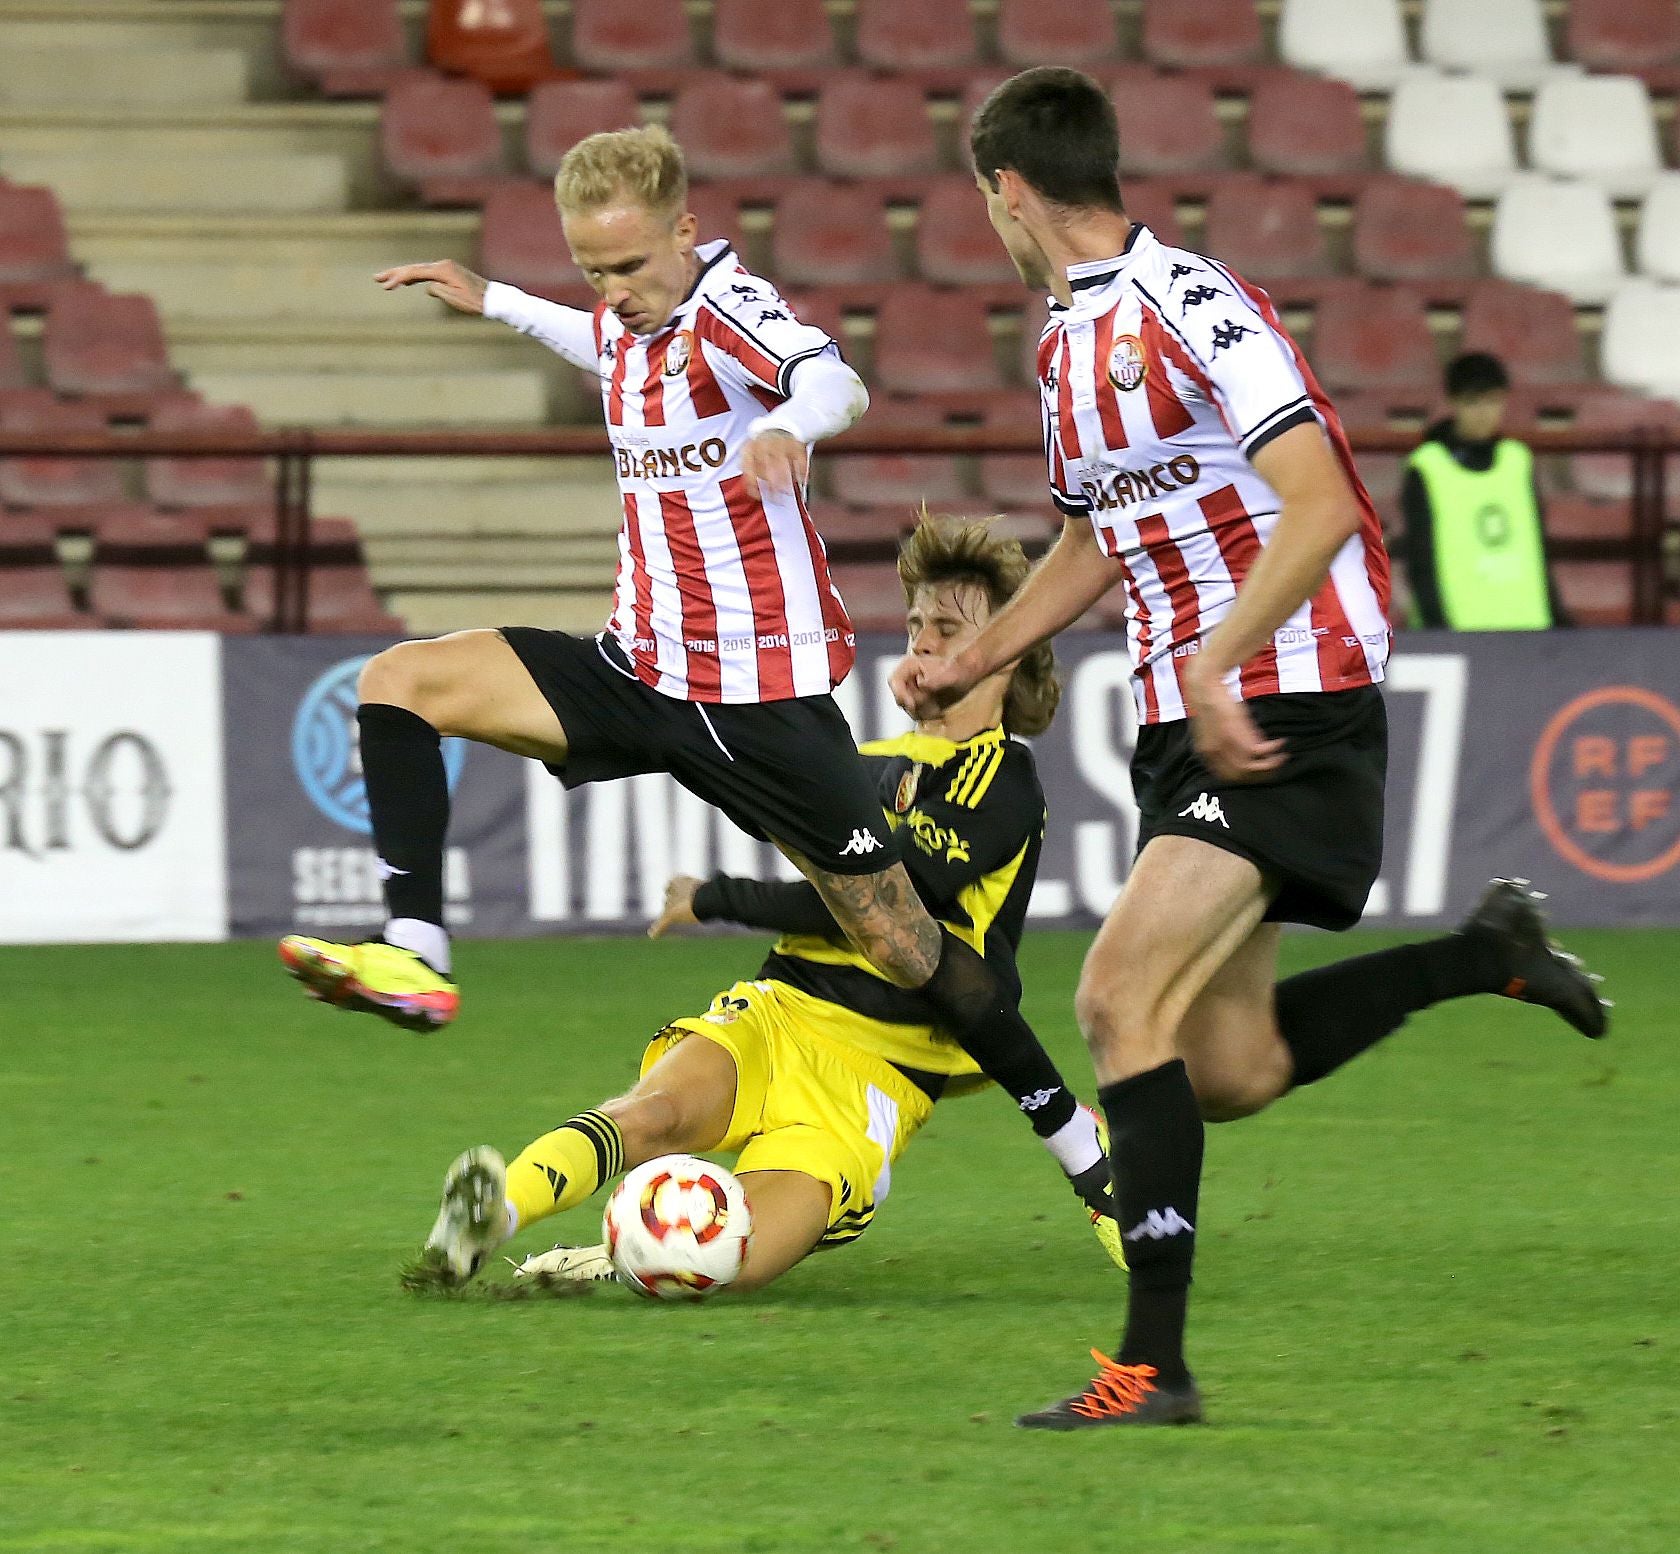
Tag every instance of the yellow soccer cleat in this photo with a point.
(373, 977)
(1096, 1195)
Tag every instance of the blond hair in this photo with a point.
(644, 165)
(964, 550)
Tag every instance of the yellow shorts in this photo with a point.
(804, 1099)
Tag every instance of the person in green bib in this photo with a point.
(1475, 542)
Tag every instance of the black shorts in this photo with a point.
(1314, 827)
(783, 771)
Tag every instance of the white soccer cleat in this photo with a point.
(567, 1265)
(472, 1222)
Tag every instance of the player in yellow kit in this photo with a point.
(818, 1073)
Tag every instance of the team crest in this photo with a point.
(906, 795)
(1127, 365)
(677, 353)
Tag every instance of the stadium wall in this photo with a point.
(164, 785)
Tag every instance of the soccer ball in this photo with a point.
(677, 1228)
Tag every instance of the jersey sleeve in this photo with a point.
(568, 332)
(1069, 502)
(755, 338)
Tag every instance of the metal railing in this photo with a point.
(295, 450)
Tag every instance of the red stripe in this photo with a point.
(1169, 413)
(764, 586)
(1233, 531)
(1108, 398)
(653, 386)
(842, 644)
(1171, 350)
(729, 339)
(704, 391)
(1067, 428)
(644, 659)
(699, 614)
(1162, 549)
(1151, 701)
(600, 338)
(615, 388)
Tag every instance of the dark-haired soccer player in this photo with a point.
(1195, 456)
(816, 1074)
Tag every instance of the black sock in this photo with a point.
(1155, 1146)
(1334, 1013)
(408, 798)
(980, 1013)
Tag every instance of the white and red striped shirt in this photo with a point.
(1160, 383)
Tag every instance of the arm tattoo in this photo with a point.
(885, 919)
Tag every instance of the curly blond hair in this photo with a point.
(644, 164)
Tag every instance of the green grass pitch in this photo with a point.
(1435, 1308)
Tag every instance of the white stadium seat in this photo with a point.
(1641, 346)
(1452, 130)
(1558, 234)
(1505, 39)
(1362, 41)
(1657, 248)
(1597, 127)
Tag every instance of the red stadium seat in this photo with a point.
(1015, 479)
(1033, 319)
(860, 533)
(132, 532)
(718, 213)
(1152, 204)
(609, 36)
(37, 598)
(1188, 34)
(932, 342)
(558, 114)
(1371, 337)
(898, 480)
(205, 482)
(171, 598)
(350, 47)
(1606, 409)
(12, 375)
(505, 46)
(771, 35)
(520, 242)
(955, 242)
(915, 34)
(1587, 518)
(874, 128)
(821, 311)
(33, 244)
(1168, 124)
(1304, 124)
(98, 343)
(873, 595)
(829, 235)
(730, 128)
(341, 598)
(1596, 593)
(332, 541)
(1407, 230)
(1623, 35)
(1266, 229)
(27, 540)
(1056, 32)
(435, 127)
(55, 482)
(1531, 331)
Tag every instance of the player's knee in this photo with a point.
(1228, 1092)
(1118, 1015)
(396, 677)
(650, 1123)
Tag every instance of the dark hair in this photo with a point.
(964, 550)
(1475, 372)
(1056, 128)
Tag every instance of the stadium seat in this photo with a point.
(158, 597)
(558, 114)
(771, 35)
(1596, 593)
(1080, 33)
(1611, 35)
(1532, 331)
(520, 242)
(831, 235)
(1361, 41)
(341, 598)
(1640, 348)
(609, 36)
(1657, 247)
(12, 375)
(874, 128)
(1373, 338)
(1305, 125)
(1453, 130)
(731, 128)
(37, 598)
(1168, 124)
(206, 482)
(718, 213)
(821, 311)
(1406, 230)
(873, 595)
(55, 482)
(349, 47)
(332, 541)
(859, 533)
(1559, 234)
(900, 480)
(26, 540)
(1609, 476)
(1015, 479)
(132, 532)
(1596, 127)
(915, 34)
(1187, 34)
(1588, 518)
(1502, 39)
(504, 46)
(933, 342)
(1265, 229)
(33, 244)
(436, 127)
(100, 343)
(1153, 205)
(955, 242)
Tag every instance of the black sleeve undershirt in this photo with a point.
(783, 906)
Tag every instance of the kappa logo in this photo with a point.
(1159, 1225)
(1200, 294)
(1205, 808)
(862, 842)
(1179, 271)
(1228, 333)
(1038, 1099)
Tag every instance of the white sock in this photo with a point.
(1074, 1144)
(427, 940)
(512, 1220)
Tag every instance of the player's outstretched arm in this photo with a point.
(783, 906)
(825, 398)
(443, 278)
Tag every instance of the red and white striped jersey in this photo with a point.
(1160, 383)
(721, 596)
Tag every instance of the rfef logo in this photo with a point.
(326, 752)
(1605, 784)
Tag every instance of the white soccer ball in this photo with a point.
(677, 1228)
